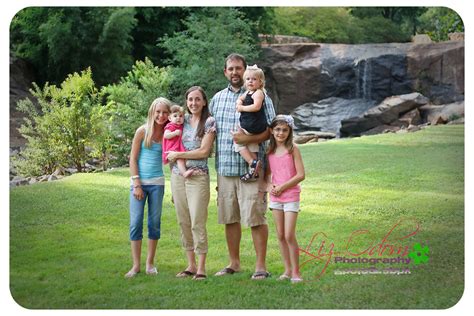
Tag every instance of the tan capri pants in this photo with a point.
(191, 200)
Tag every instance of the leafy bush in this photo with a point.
(378, 29)
(128, 102)
(72, 125)
(60, 131)
(438, 22)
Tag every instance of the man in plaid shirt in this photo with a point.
(239, 202)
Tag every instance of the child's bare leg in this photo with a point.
(254, 164)
(279, 218)
(182, 168)
(247, 155)
(293, 248)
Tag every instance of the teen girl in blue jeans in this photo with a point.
(147, 184)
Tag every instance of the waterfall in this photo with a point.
(363, 71)
(367, 80)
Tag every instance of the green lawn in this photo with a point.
(69, 243)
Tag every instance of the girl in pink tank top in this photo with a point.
(285, 171)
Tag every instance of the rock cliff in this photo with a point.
(309, 72)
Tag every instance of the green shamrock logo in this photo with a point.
(419, 254)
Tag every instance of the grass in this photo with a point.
(69, 242)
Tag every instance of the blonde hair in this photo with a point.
(258, 73)
(150, 121)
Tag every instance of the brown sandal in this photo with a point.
(199, 277)
(185, 274)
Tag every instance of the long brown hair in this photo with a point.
(204, 113)
(280, 119)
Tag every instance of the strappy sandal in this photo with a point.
(254, 168)
(261, 275)
(252, 174)
(247, 177)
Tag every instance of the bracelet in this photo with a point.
(135, 177)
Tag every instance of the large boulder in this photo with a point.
(386, 113)
(326, 115)
(437, 70)
(436, 114)
(309, 72)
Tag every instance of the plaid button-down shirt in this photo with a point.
(223, 109)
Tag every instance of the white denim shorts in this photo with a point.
(285, 206)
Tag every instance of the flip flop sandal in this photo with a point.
(185, 274)
(152, 271)
(131, 274)
(296, 280)
(199, 277)
(225, 271)
(283, 277)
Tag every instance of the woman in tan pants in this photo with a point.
(191, 194)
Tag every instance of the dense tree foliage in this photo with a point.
(366, 24)
(198, 53)
(405, 18)
(60, 41)
(153, 24)
(338, 25)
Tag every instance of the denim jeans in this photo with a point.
(154, 195)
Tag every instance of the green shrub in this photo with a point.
(438, 22)
(128, 102)
(59, 132)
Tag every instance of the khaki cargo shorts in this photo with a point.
(240, 202)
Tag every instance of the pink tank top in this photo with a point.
(283, 168)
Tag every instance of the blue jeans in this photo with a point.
(154, 195)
